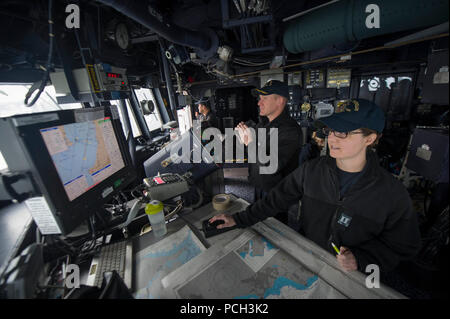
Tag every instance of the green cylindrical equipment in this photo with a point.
(345, 21)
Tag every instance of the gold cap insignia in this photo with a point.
(347, 106)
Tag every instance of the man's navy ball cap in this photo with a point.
(273, 87)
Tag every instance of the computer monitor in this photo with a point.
(181, 156)
(78, 159)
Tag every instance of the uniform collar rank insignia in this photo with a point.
(344, 220)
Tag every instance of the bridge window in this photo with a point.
(12, 97)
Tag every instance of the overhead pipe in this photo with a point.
(334, 57)
(205, 42)
(345, 21)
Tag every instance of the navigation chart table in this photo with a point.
(266, 261)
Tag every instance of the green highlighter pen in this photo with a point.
(335, 248)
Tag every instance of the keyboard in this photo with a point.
(118, 257)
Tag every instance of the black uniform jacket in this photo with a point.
(289, 137)
(375, 219)
(208, 120)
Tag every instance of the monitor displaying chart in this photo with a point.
(84, 154)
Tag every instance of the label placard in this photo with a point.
(42, 215)
(93, 77)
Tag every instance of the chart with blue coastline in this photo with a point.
(255, 269)
(268, 260)
(159, 259)
(84, 154)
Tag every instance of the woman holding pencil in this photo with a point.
(350, 206)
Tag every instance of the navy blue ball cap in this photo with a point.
(355, 114)
(273, 87)
(203, 101)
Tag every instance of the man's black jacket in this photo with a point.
(375, 219)
(289, 137)
(208, 120)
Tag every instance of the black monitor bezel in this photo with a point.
(70, 214)
(153, 165)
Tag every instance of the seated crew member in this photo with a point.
(347, 198)
(205, 115)
(273, 114)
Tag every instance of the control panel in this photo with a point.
(338, 78)
(315, 79)
(165, 186)
(111, 78)
(94, 78)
